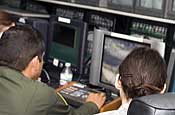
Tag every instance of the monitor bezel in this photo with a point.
(169, 10)
(87, 2)
(171, 72)
(151, 11)
(81, 31)
(97, 55)
(121, 7)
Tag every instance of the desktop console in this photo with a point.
(77, 93)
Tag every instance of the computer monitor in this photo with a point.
(123, 5)
(67, 42)
(150, 7)
(171, 72)
(87, 2)
(11, 3)
(170, 9)
(109, 50)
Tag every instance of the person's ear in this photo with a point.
(118, 82)
(32, 68)
(164, 89)
(35, 62)
(35, 67)
(12, 24)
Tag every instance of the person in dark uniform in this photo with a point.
(21, 60)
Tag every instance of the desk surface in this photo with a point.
(113, 105)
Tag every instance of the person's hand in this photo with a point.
(97, 98)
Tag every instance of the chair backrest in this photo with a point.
(158, 104)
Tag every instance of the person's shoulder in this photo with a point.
(43, 88)
(45, 93)
(114, 112)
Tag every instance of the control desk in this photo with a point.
(76, 93)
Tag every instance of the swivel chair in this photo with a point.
(158, 104)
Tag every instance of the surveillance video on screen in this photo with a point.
(114, 51)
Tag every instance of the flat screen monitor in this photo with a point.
(87, 2)
(11, 3)
(123, 5)
(35, 6)
(150, 7)
(67, 42)
(173, 6)
(109, 51)
(171, 72)
(171, 9)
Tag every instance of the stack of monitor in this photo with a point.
(109, 49)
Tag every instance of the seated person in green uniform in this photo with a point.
(21, 60)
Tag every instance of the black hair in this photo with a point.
(18, 45)
(143, 72)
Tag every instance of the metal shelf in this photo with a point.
(24, 13)
(163, 20)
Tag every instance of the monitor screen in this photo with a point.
(62, 45)
(153, 4)
(123, 5)
(173, 7)
(109, 50)
(11, 3)
(123, 2)
(170, 82)
(67, 42)
(114, 51)
(66, 35)
(154, 8)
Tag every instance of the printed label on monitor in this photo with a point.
(65, 20)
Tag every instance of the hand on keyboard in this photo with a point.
(97, 98)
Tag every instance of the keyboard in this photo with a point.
(76, 94)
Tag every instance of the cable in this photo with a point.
(47, 75)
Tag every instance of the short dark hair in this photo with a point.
(143, 72)
(18, 45)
